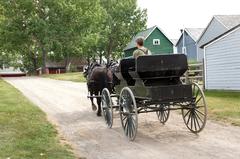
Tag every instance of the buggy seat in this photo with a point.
(160, 66)
(154, 69)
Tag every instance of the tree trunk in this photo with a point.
(88, 59)
(67, 63)
(100, 57)
(35, 66)
(109, 50)
(44, 59)
(34, 62)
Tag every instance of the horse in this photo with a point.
(113, 66)
(98, 77)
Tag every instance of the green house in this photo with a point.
(154, 39)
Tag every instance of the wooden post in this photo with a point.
(187, 77)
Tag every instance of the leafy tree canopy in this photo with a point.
(36, 30)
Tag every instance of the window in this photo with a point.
(184, 50)
(156, 41)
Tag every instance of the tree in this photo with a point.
(37, 28)
(79, 24)
(59, 29)
(124, 19)
(25, 29)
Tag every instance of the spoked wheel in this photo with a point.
(163, 113)
(107, 108)
(128, 113)
(195, 112)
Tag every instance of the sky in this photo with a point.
(173, 15)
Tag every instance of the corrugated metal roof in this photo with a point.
(195, 33)
(229, 21)
(143, 34)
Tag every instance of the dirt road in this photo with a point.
(66, 104)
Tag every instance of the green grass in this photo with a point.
(224, 106)
(192, 62)
(75, 77)
(25, 132)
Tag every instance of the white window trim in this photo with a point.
(154, 40)
(184, 50)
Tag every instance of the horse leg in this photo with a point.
(99, 112)
(94, 107)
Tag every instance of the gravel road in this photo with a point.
(67, 106)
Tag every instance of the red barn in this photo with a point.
(54, 67)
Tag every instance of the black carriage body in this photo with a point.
(155, 77)
(152, 84)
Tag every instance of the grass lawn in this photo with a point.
(25, 132)
(75, 77)
(224, 106)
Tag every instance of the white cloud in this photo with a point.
(173, 15)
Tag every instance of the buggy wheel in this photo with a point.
(128, 113)
(107, 108)
(194, 113)
(163, 113)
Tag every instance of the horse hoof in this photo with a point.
(94, 108)
(99, 114)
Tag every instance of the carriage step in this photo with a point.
(94, 96)
(99, 96)
(114, 95)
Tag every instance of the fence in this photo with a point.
(195, 73)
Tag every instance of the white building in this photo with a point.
(218, 25)
(11, 72)
(222, 61)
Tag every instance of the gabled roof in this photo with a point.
(228, 21)
(221, 36)
(174, 41)
(145, 34)
(55, 64)
(194, 33)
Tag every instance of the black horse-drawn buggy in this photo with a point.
(153, 84)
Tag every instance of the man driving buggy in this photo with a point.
(141, 50)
